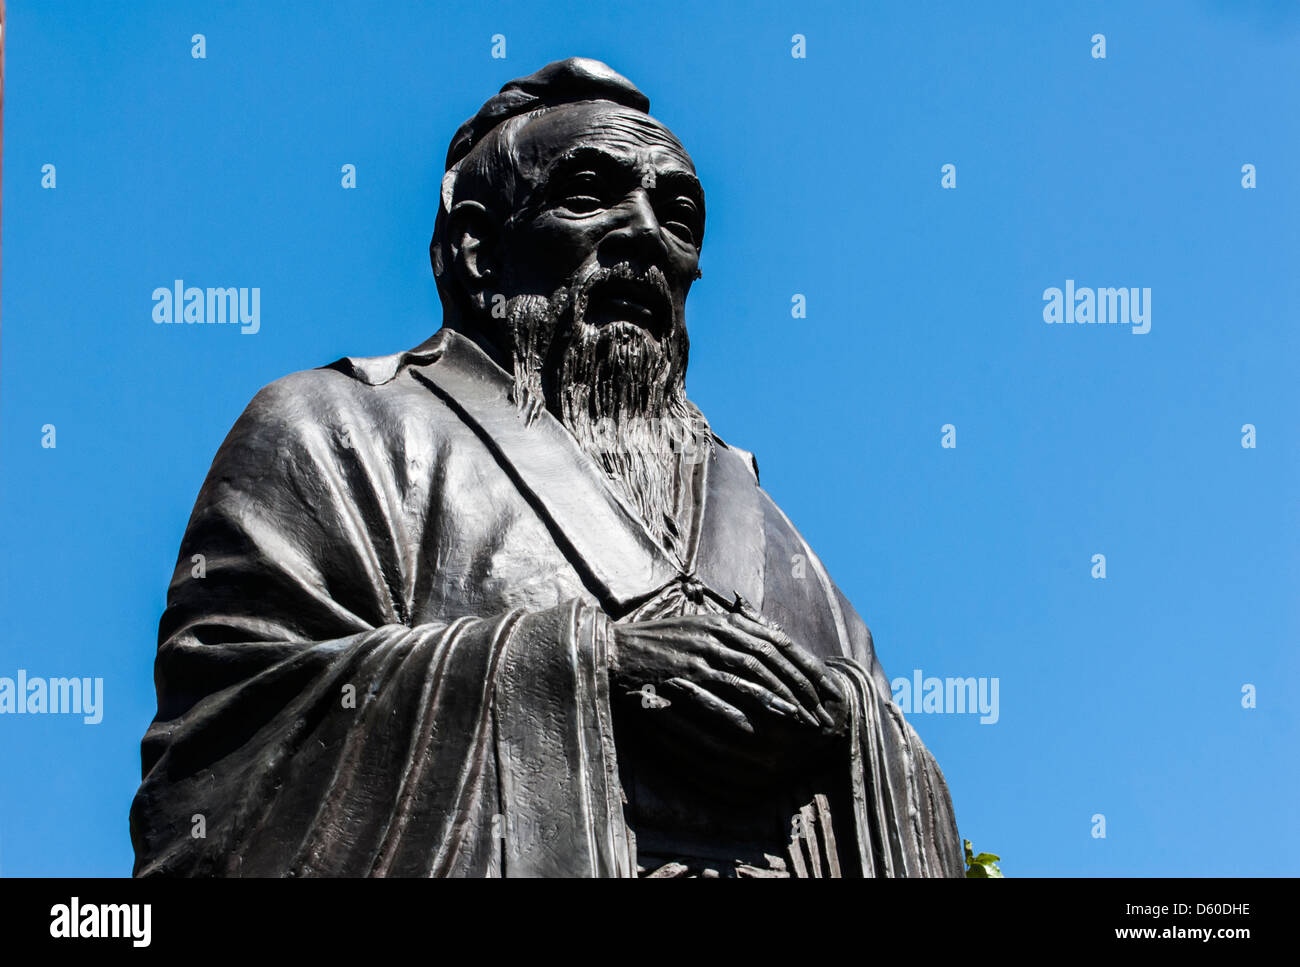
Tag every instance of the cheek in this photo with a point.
(552, 250)
(683, 263)
(685, 260)
(559, 246)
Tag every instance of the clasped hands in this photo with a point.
(739, 692)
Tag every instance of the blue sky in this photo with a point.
(1120, 696)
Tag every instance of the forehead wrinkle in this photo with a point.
(581, 151)
(635, 129)
(578, 126)
(673, 173)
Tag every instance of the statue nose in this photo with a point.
(644, 219)
(639, 233)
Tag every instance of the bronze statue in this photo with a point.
(502, 605)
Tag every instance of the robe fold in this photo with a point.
(385, 645)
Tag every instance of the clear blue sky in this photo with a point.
(1119, 696)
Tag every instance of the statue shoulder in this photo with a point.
(725, 449)
(378, 370)
(296, 404)
(350, 400)
(748, 459)
(345, 385)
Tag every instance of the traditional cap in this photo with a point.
(561, 82)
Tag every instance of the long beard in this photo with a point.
(620, 391)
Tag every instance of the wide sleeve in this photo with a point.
(903, 816)
(306, 727)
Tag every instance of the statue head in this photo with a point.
(567, 239)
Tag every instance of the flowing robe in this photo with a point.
(391, 658)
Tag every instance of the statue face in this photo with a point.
(604, 186)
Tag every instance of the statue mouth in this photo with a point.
(639, 302)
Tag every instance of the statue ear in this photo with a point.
(474, 240)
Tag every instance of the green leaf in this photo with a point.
(981, 867)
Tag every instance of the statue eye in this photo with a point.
(682, 218)
(583, 193)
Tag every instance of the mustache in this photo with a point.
(641, 295)
(613, 336)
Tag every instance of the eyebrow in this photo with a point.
(682, 178)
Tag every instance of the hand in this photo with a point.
(834, 711)
(742, 697)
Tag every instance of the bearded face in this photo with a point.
(587, 220)
(607, 355)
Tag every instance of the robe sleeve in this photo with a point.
(306, 727)
(903, 812)
(903, 816)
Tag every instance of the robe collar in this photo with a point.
(605, 540)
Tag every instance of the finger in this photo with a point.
(744, 608)
(776, 634)
(743, 658)
(756, 624)
(808, 663)
(712, 703)
(756, 693)
(703, 652)
(775, 657)
(778, 650)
